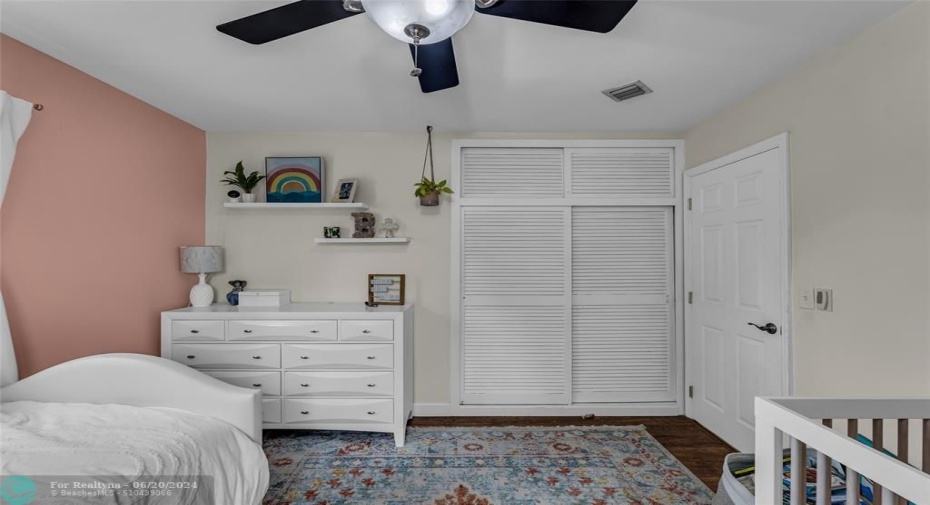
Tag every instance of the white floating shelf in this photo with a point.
(266, 205)
(395, 240)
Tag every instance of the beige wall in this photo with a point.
(275, 249)
(859, 139)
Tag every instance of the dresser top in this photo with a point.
(296, 308)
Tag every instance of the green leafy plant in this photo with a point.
(427, 186)
(239, 179)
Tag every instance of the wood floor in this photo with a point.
(699, 449)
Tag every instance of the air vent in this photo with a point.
(627, 91)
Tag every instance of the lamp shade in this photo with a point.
(201, 259)
(441, 17)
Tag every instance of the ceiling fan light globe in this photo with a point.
(442, 17)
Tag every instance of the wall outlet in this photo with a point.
(806, 296)
(823, 299)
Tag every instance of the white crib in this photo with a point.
(809, 422)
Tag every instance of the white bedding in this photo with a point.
(83, 439)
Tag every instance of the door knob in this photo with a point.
(769, 328)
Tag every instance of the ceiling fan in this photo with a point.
(426, 25)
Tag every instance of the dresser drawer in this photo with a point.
(196, 330)
(366, 329)
(271, 411)
(268, 382)
(329, 356)
(227, 355)
(338, 411)
(339, 383)
(282, 330)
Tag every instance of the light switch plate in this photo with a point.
(806, 295)
(823, 299)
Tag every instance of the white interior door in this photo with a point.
(737, 251)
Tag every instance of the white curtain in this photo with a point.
(14, 117)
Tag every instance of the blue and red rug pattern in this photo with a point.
(478, 466)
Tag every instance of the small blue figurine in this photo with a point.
(233, 296)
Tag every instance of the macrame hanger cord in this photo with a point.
(428, 155)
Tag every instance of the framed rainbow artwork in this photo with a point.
(294, 179)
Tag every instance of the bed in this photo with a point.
(160, 431)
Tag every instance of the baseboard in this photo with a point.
(432, 409)
(630, 409)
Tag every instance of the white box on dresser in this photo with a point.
(328, 366)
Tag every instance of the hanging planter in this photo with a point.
(428, 190)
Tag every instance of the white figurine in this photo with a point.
(389, 227)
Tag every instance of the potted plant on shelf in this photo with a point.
(428, 190)
(246, 182)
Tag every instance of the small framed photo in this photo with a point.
(294, 179)
(386, 289)
(345, 191)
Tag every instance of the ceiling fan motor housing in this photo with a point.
(441, 18)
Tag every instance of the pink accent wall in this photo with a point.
(104, 189)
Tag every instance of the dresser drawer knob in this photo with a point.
(304, 412)
(371, 385)
(314, 330)
(371, 412)
(257, 385)
(195, 331)
(305, 357)
(366, 331)
(304, 385)
(246, 331)
(371, 357)
(256, 357)
(191, 356)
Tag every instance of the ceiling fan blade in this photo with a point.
(438, 64)
(285, 20)
(591, 15)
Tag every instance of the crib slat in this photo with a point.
(798, 472)
(902, 449)
(878, 442)
(824, 470)
(902, 440)
(852, 486)
(887, 496)
(925, 444)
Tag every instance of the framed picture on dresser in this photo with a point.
(386, 289)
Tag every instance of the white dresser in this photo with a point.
(333, 366)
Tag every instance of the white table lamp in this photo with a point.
(201, 260)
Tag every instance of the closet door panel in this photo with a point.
(622, 310)
(629, 172)
(491, 172)
(516, 306)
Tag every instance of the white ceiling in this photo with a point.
(698, 57)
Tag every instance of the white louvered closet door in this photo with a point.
(507, 172)
(622, 172)
(516, 321)
(622, 314)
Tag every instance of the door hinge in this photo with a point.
(690, 391)
(689, 204)
(690, 297)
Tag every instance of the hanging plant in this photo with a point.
(428, 190)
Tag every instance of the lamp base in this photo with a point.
(202, 293)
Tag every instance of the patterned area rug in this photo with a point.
(478, 466)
